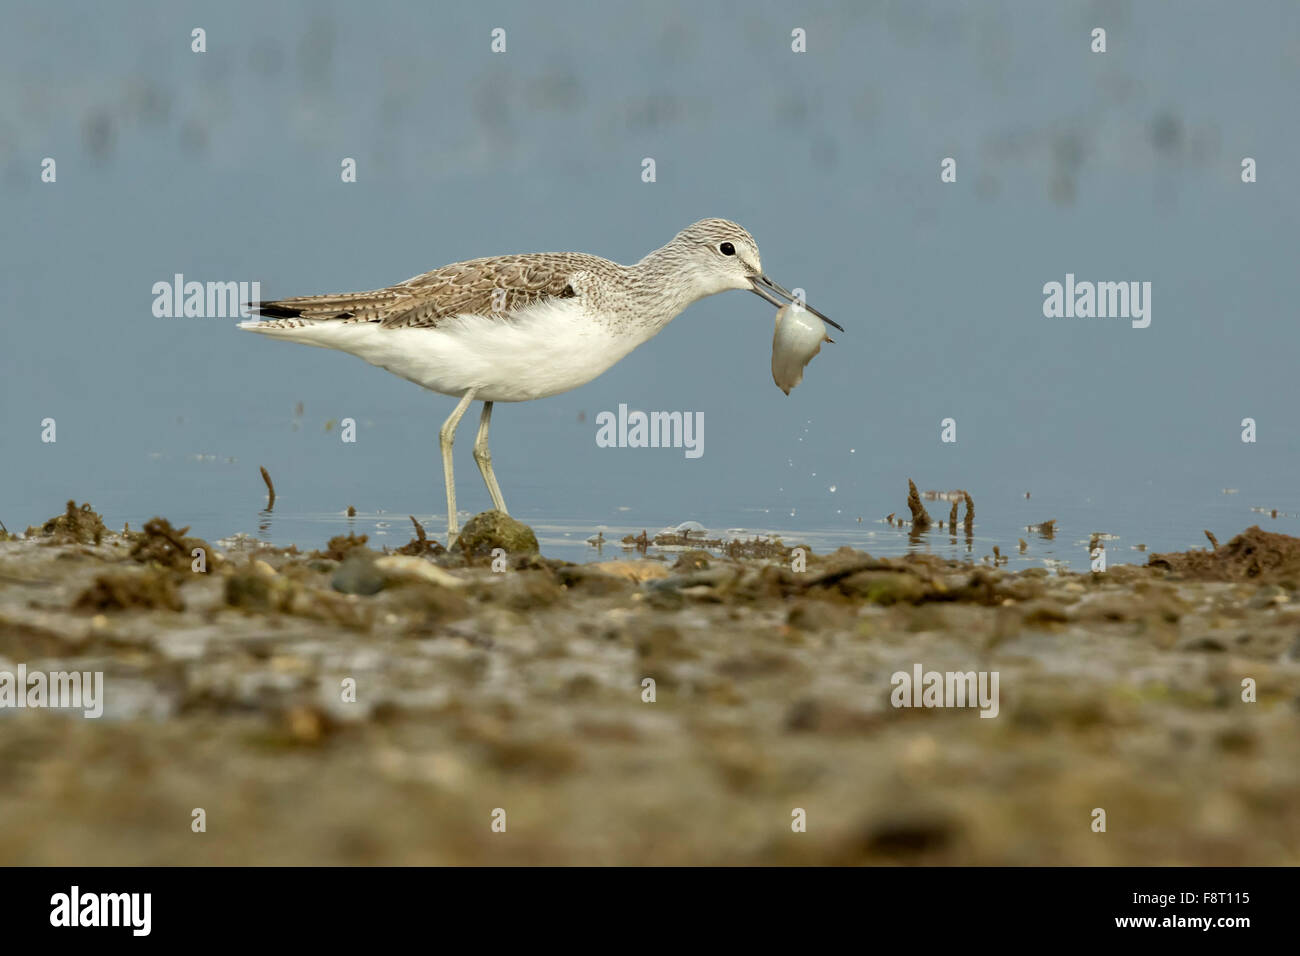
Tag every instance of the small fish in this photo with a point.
(797, 338)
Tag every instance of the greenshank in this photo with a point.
(518, 327)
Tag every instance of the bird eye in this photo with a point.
(727, 249)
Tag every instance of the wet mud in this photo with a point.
(524, 689)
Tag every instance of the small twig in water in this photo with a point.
(270, 488)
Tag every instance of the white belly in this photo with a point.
(543, 350)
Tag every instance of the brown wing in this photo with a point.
(494, 286)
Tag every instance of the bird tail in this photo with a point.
(308, 309)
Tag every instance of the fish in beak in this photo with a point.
(769, 290)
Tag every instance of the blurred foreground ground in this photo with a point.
(523, 691)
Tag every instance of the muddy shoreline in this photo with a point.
(523, 689)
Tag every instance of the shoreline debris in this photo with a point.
(1255, 554)
(420, 544)
(81, 525)
(270, 488)
(920, 519)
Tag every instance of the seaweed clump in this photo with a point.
(161, 544)
(920, 519)
(122, 590)
(420, 545)
(339, 545)
(75, 526)
(1253, 555)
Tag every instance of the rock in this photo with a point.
(708, 578)
(634, 571)
(248, 589)
(430, 602)
(527, 590)
(693, 561)
(885, 587)
(809, 715)
(492, 529)
(910, 831)
(401, 567)
(306, 725)
(1044, 611)
(253, 589)
(662, 641)
(358, 574)
(1202, 643)
(591, 581)
(1106, 607)
(1268, 596)
(120, 590)
(818, 616)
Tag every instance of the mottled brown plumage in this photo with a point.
(497, 285)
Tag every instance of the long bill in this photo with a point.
(769, 290)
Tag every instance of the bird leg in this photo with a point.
(446, 436)
(484, 458)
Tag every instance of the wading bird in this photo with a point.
(519, 327)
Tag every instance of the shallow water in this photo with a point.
(1003, 525)
(218, 497)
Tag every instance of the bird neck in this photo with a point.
(664, 284)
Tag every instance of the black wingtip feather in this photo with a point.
(273, 311)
